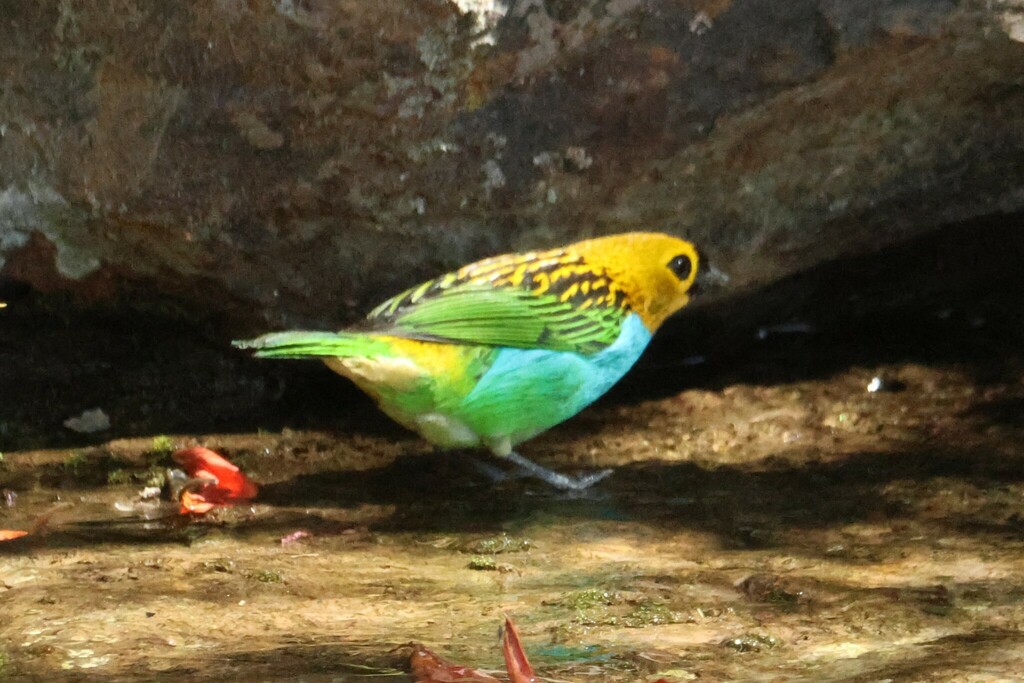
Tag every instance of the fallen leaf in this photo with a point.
(215, 481)
(202, 463)
(519, 669)
(428, 667)
(11, 534)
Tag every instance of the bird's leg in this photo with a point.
(492, 472)
(556, 479)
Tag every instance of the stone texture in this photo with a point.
(293, 162)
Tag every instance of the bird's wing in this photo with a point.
(548, 300)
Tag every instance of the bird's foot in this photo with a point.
(557, 479)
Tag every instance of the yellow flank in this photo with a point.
(429, 370)
(436, 359)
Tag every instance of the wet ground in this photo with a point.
(769, 517)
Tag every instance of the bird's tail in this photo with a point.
(307, 344)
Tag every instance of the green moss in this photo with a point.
(119, 477)
(162, 445)
(751, 642)
(650, 614)
(483, 563)
(154, 476)
(75, 463)
(590, 598)
(502, 543)
(603, 607)
(268, 576)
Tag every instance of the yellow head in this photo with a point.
(654, 271)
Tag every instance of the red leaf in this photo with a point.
(11, 534)
(228, 483)
(427, 667)
(203, 463)
(519, 669)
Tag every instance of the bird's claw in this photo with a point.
(585, 481)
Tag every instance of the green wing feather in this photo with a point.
(549, 300)
(466, 311)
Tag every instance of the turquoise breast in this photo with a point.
(526, 391)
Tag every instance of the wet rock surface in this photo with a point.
(296, 162)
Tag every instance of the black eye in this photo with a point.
(682, 266)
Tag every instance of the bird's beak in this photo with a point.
(709, 279)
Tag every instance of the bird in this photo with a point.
(500, 350)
